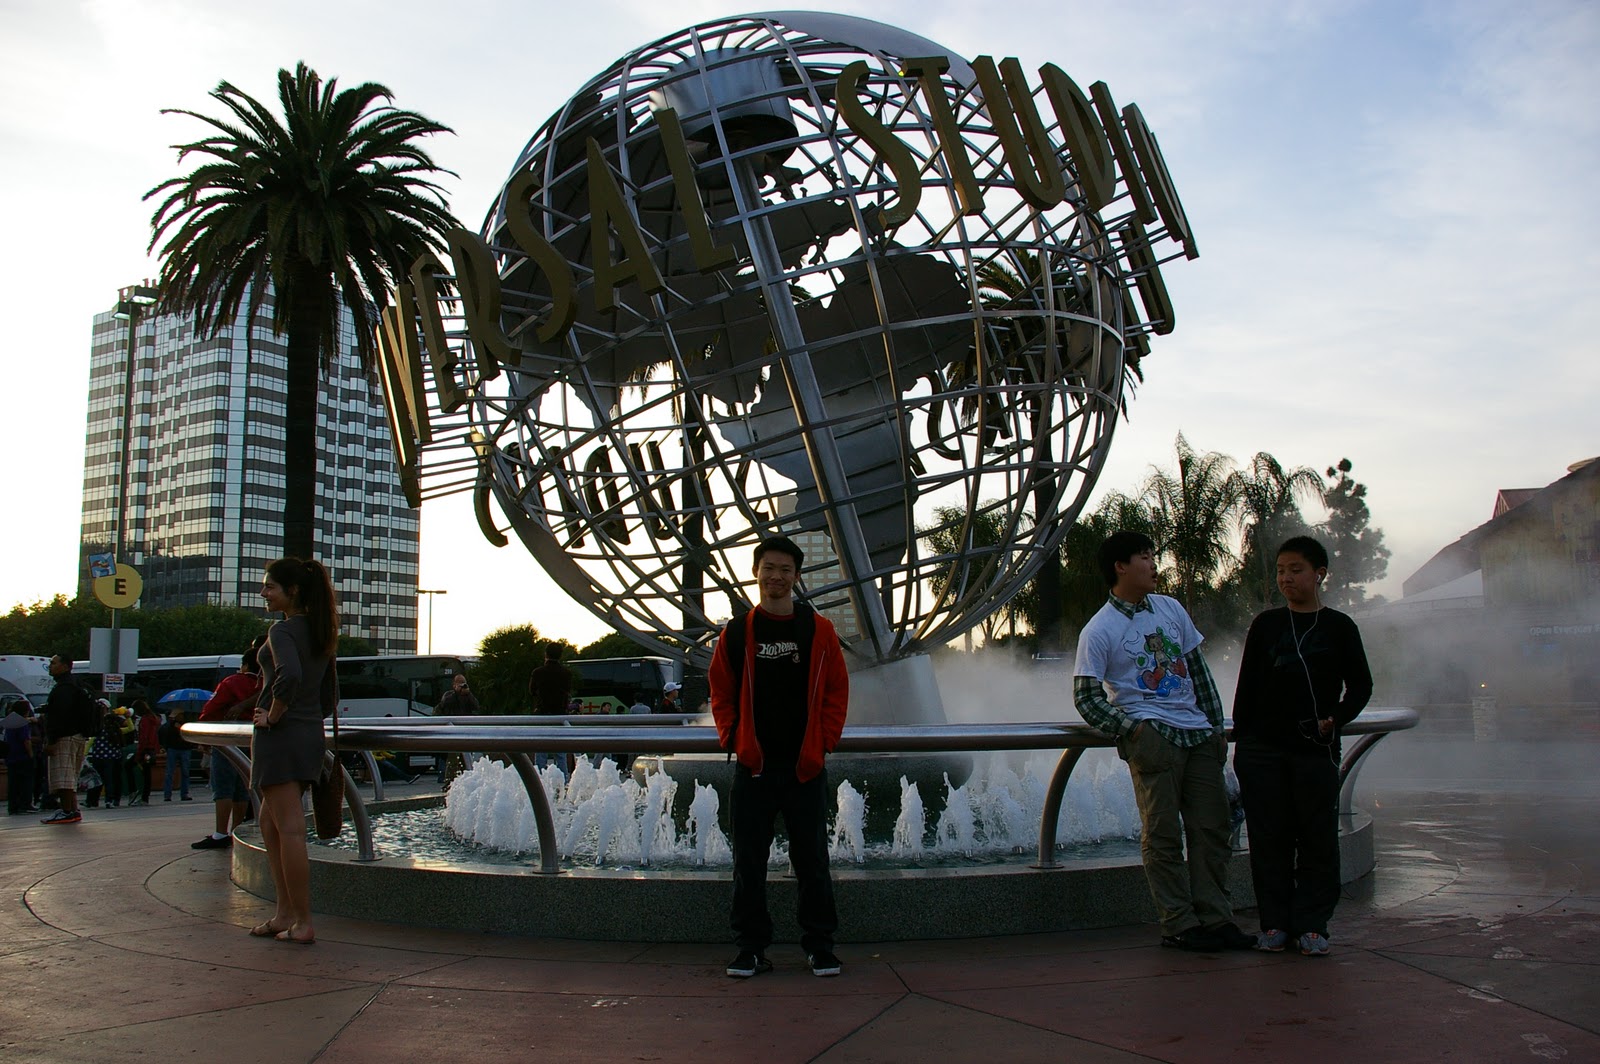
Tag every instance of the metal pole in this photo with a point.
(833, 484)
(430, 595)
(130, 301)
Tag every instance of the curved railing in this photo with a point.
(651, 734)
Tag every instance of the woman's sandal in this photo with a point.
(266, 929)
(288, 936)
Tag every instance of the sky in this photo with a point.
(1393, 204)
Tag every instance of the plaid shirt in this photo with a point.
(1089, 695)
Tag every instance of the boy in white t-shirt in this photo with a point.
(1140, 677)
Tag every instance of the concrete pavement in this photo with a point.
(1475, 940)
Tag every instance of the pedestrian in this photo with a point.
(669, 698)
(300, 688)
(105, 754)
(178, 751)
(1140, 677)
(233, 700)
(69, 720)
(147, 741)
(550, 691)
(779, 694)
(17, 727)
(459, 701)
(1303, 677)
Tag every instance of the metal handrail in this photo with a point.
(479, 734)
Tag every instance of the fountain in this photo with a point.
(795, 273)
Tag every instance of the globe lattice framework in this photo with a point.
(925, 406)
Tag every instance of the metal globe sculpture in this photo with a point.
(806, 274)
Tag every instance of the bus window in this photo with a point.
(611, 685)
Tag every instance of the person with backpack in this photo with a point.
(779, 694)
(105, 754)
(70, 718)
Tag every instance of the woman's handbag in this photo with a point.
(327, 792)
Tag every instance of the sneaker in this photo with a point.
(1228, 936)
(748, 963)
(187, 798)
(211, 842)
(823, 962)
(61, 816)
(1272, 941)
(1313, 944)
(1195, 940)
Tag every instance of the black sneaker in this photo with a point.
(747, 963)
(211, 842)
(823, 962)
(1195, 940)
(1228, 936)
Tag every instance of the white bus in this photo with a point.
(400, 685)
(24, 676)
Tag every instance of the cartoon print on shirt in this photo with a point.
(1161, 667)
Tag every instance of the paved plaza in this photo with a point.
(1477, 939)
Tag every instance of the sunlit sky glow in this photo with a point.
(1393, 202)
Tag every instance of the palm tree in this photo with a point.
(329, 206)
(1194, 512)
(1269, 508)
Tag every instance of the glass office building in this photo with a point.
(203, 470)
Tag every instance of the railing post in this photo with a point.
(1354, 758)
(544, 821)
(377, 776)
(1052, 807)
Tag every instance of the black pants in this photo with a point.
(19, 786)
(110, 770)
(757, 801)
(1291, 806)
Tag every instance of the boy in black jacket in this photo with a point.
(1303, 676)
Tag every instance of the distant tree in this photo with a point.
(506, 658)
(1356, 554)
(613, 645)
(354, 646)
(182, 631)
(330, 205)
(969, 538)
(1195, 511)
(1083, 587)
(59, 626)
(1269, 508)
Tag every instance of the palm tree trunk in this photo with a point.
(300, 419)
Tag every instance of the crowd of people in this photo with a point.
(779, 697)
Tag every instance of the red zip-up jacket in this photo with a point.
(827, 698)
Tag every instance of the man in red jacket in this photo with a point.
(779, 692)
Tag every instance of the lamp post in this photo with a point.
(131, 304)
(430, 595)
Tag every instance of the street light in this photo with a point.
(131, 304)
(430, 595)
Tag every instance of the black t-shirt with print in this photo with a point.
(782, 649)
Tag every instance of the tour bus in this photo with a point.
(611, 685)
(24, 676)
(399, 685)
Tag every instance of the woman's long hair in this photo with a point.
(314, 591)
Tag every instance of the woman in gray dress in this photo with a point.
(299, 688)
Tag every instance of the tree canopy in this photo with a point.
(330, 205)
